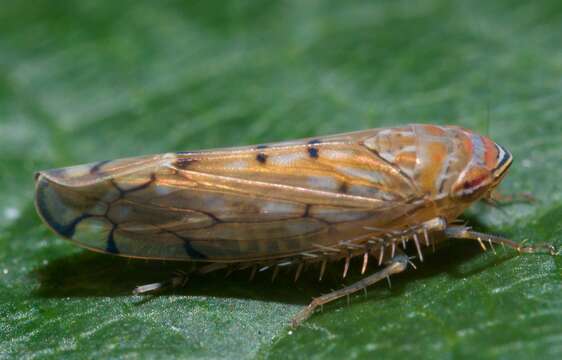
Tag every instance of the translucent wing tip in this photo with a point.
(52, 208)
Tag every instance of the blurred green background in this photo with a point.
(90, 80)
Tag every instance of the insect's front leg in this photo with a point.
(496, 198)
(395, 265)
(463, 232)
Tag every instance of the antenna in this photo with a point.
(487, 133)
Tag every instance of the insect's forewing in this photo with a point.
(228, 205)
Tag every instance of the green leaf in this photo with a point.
(85, 81)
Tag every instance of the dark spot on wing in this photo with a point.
(96, 168)
(313, 152)
(344, 188)
(307, 210)
(68, 229)
(261, 147)
(123, 192)
(312, 149)
(111, 247)
(189, 250)
(184, 163)
(261, 158)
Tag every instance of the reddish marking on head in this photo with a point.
(475, 182)
(472, 183)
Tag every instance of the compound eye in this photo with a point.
(504, 161)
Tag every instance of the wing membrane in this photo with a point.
(227, 205)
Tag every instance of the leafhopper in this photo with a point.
(364, 194)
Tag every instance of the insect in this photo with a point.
(363, 194)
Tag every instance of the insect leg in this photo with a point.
(463, 232)
(395, 265)
(496, 198)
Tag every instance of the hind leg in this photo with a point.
(395, 265)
